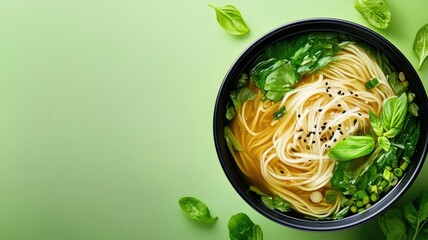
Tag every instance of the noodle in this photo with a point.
(289, 157)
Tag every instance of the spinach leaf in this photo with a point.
(230, 19)
(420, 45)
(242, 228)
(257, 232)
(392, 224)
(393, 115)
(352, 147)
(196, 209)
(376, 12)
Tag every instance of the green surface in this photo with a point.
(106, 114)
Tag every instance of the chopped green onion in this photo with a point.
(279, 113)
(374, 197)
(371, 83)
(398, 172)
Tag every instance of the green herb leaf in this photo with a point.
(196, 209)
(420, 45)
(245, 94)
(414, 109)
(230, 19)
(352, 147)
(330, 196)
(392, 224)
(375, 123)
(274, 203)
(231, 141)
(240, 227)
(411, 215)
(279, 113)
(257, 233)
(384, 143)
(376, 12)
(395, 83)
(393, 115)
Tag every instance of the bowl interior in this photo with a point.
(243, 63)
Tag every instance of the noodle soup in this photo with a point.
(322, 125)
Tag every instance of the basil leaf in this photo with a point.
(393, 115)
(375, 123)
(230, 19)
(420, 45)
(196, 210)
(240, 227)
(396, 235)
(376, 12)
(282, 79)
(414, 109)
(352, 147)
(230, 112)
(384, 143)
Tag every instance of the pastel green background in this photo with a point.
(106, 112)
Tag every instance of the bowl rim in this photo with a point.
(299, 27)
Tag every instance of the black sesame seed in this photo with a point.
(356, 95)
(300, 130)
(341, 133)
(319, 110)
(281, 172)
(339, 128)
(329, 128)
(300, 137)
(335, 140)
(344, 111)
(326, 83)
(298, 115)
(330, 95)
(293, 150)
(325, 123)
(319, 133)
(326, 89)
(304, 140)
(351, 92)
(355, 121)
(313, 142)
(340, 125)
(339, 105)
(315, 126)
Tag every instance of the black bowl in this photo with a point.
(242, 64)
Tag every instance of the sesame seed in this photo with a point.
(330, 95)
(313, 142)
(300, 130)
(298, 115)
(281, 172)
(319, 110)
(293, 150)
(329, 128)
(304, 140)
(339, 105)
(300, 137)
(315, 126)
(359, 114)
(356, 95)
(355, 121)
(344, 111)
(341, 133)
(326, 83)
(339, 92)
(325, 123)
(335, 140)
(351, 92)
(326, 89)
(322, 127)
(339, 128)
(340, 125)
